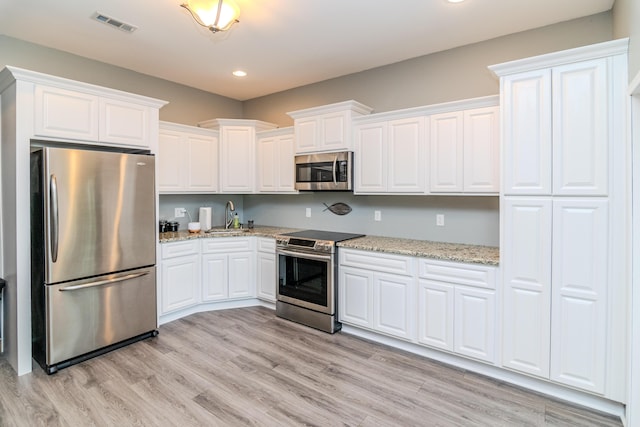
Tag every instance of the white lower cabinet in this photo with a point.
(266, 269)
(474, 323)
(457, 308)
(555, 287)
(201, 271)
(435, 314)
(180, 275)
(456, 302)
(228, 268)
(376, 291)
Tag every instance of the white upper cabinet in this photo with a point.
(326, 128)
(390, 156)
(443, 148)
(580, 128)
(446, 152)
(556, 125)
(66, 114)
(187, 159)
(526, 120)
(276, 161)
(123, 123)
(481, 150)
(237, 152)
(80, 112)
(465, 150)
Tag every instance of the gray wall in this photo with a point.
(473, 220)
(626, 23)
(186, 105)
(193, 202)
(445, 76)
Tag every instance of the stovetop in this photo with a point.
(330, 236)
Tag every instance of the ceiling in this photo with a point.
(280, 43)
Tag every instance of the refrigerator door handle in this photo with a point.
(103, 282)
(53, 195)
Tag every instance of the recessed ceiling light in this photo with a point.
(455, 1)
(239, 73)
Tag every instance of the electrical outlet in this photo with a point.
(377, 216)
(308, 212)
(440, 220)
(179, 213)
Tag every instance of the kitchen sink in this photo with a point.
(227, 231)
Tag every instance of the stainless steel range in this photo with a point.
(307, 271)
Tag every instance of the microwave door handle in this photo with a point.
(335, 163)
(53, 215)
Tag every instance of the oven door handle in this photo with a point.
(304, 255)
(335, 164)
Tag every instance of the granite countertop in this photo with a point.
(260, 231)
(475, 254)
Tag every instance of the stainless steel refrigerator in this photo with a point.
(93, 240)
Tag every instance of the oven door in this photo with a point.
(306, 280)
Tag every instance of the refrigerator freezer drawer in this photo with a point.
(86, 315)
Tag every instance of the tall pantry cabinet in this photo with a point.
(564, 206)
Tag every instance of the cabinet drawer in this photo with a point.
(176, 249)
(376, 261)
(458, 273)
(266, 245)
(230, 244)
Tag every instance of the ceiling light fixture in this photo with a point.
(239, 73)
(215, 15)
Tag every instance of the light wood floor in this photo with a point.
(247, 367)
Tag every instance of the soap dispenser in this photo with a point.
(236, 221)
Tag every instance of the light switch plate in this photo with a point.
(440, 220)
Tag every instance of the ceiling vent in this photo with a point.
(115, 23)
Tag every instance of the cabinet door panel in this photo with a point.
(124, 123)
(435, 314)
(474, 323)
(526, 115)
(526, 263)
(406, 156)
(202, 170)
(267, 165)
(580, 128)
(238, 159)
(580, 259)
(171, 150)
(214, 277)
(286, 163)
(356, 297)
(241, 275)
(333, 130)
(371, 160)
(66, 114)
(180, 282)
(481, 150)
(306, 131)
(393, 305)
(446, 152)
(266, 276)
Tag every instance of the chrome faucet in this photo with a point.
(228, 217)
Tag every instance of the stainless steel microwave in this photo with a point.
(325, 171)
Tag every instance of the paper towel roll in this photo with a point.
(205, 218)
